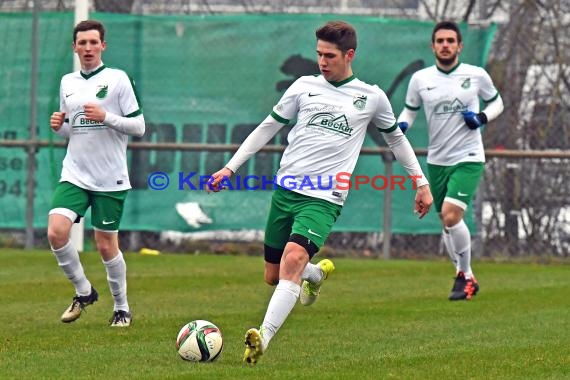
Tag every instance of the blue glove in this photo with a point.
(403, 126)
(474, 120)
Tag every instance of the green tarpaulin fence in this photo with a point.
(207, 79)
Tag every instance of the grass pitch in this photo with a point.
(374, 320)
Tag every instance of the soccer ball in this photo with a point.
(199, 341)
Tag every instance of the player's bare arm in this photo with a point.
(424, 200)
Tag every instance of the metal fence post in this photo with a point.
(77, 235)
(32, 149)
(477, 248)
(388, 159)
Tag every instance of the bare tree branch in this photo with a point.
(468, 11)
(428, 11)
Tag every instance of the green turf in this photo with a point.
(374, 320)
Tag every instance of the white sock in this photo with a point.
(312, 273)
(461, 240)
(282, 302)
(117, 278)
(68, 259)
(449, 248)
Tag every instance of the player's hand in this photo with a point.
(424, 200)
(214, 184)
(474, 120)
(56, 120)
(403, 126)
(94, 112)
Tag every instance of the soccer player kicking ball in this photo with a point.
(450, 92)
(332, 111)
(98, 111)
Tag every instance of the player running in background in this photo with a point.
(99, 109)
(450, 93)
(332, 112)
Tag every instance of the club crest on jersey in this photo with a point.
(466, 83)
(359, 101)
(102, 91)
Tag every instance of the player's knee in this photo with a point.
(451, 215)
(297, 258)
(105, 248)
(57, 237)
(451, 219)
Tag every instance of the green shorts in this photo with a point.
(106, 206)
(456, 184)
(294, 214)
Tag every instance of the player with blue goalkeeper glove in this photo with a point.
(474, 120)
(450, 92)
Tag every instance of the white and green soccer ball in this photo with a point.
(199, 341)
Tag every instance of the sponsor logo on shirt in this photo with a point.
(448, 107)
(81, 124)
(332, 123)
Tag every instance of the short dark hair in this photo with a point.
(449, 25)
(86, 25)
(338, 32)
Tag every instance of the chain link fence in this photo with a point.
(515, 219)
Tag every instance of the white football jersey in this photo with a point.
(329, 132)
(96, 156)
(444, 96)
